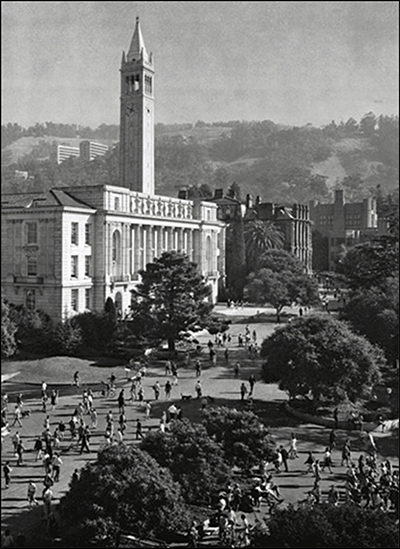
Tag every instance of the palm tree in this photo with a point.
(261, 236)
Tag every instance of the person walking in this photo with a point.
(333, 496)
(198, 388)
(121, 401)
(20, 453)
(56, 463)
(236, 370)
(31, 494)
(310, 462)
(76, 379)
(226, 355)
(156, 389)
(327, 460)
(38, 448)
(243, 391)
(346, 453)
(7, 474)
(285, 456)
(148, 409)
(93, 417)
(85, 440)
(17, 416)
(139, 433)
(15, 440)
(317, 470)
(293, 447)
(168, 388)
(198, 368)
(252, 382)
(47, 499)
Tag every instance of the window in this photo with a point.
(87, 298)
(88, 234)
(74, 299)
(322, 219)
(208, 213)
(116, 244)
(330, 220)
(74, 266)
(31, 233)
(88, 262)
(74, 233)
(32, 266)
(30, 299)
(116, 203)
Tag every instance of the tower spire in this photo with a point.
(137, 47)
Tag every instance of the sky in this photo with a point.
(290, 62)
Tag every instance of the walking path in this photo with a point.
(218, 382)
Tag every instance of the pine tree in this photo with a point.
(171, 299)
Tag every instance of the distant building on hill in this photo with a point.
(89, 150)
(340, 225)
(62, 152)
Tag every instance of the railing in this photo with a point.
(161, 206)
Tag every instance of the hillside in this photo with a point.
(278, 163)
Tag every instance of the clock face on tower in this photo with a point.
(131, 109)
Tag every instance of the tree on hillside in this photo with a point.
(195, 460)
(280, 282)
(318, 356)
(171, 299)
(8, 329)
(260, 236)
(328, 526)
(244, 439)
(374, 313)
(123, 490)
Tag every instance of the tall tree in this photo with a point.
(171, 299)
(371, 263)
(123, 490)
(318, 356)
(280, 282)
(235, 259)
(244, 439)
(8, 329)
(374, 313)
(260, 236)
(195, 460)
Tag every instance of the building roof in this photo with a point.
(137, 44)
(225, 200)
(54, 197)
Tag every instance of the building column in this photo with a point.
(180, 239)
(138, 248)
(160, 241)
(190, 244)
(149, 244)
(170, 231)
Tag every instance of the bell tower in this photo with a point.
(137, 117)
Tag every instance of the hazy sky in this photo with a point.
(290, 62)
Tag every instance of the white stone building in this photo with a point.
(67, 250)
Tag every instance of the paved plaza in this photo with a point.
(217, 381)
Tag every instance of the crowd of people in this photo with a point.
(367, 483)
